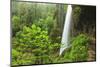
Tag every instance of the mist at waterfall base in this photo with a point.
(65, 34)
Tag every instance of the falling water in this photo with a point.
(65, 34)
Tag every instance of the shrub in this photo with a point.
(79, 49)
(35, 46)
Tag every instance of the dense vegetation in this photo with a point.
(35, 43)
(36, 34)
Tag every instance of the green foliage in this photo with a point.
(15, 23)
(35, 42)
(46, 24)
(79, 49)
(20, 58)
(31, 26)
(15, 56)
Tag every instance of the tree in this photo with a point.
(15, 24)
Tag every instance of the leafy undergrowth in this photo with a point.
(79, 49)
(33, 46)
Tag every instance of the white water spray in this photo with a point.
(65, 35)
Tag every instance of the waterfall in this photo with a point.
(65, 34)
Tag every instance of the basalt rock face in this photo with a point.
(84, 20)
